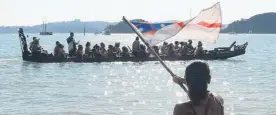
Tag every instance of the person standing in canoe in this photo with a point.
(72, 45)
(135, 47)
(202, 102)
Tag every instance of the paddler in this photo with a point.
(117, 49)
(102, 49)
(110, 51)
(59, 51)
(56, 49)
(35, 48)
(183, 49)
(72, 45)
(171, 51)
(202, 102)
(142, 51)
(125, 52)
(199, 52)
(176, 46)
(190, 48)
(80, 52)
(164, 48)
(31, 43)
(96, 51)
(135, 47)
(156, 49)
(190, 45)
(88, 51)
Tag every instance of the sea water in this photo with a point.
(246, 82)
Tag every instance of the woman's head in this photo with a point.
(96, 46)
(102, 44)
(171, 46)
(181, 43)
(88, 44)
(176, 42)
(199, 43)
(71, 34)
(124, 49)
(190, 41)
(117, 44)
(110, 46)
(80, 47)
(165, 43)
(198, 77)
(57, 43)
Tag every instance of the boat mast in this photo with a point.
(190, 13)
(45, 26)
(84, 29)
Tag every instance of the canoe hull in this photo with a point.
(210, 56)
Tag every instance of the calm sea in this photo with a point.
(247, 82)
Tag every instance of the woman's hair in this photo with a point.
(124, 49)
(117, 44)
(96, 46)
(87, 44)
(198, 77)
(110, 46)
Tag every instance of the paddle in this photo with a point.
(129, 48)
(156, 55)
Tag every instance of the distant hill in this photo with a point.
(261, 23)
(122, 27)
(224, 26)
(60, 27)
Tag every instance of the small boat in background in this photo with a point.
(106, 32)
(232, 33)
(44, 30)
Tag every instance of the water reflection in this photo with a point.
(27, 65)
(61, 65)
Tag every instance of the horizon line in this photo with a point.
(82, 21)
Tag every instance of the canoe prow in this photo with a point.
(226, 48)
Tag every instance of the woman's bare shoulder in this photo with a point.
(182, 108)
(219, 98)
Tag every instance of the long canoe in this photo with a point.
(219, 53)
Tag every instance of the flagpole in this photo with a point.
(156, 55)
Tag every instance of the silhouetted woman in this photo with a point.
(202, 102)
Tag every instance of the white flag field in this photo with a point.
(205, 26)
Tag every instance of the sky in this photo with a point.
(32, 12)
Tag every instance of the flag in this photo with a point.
(155, 33)
(205, 26)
